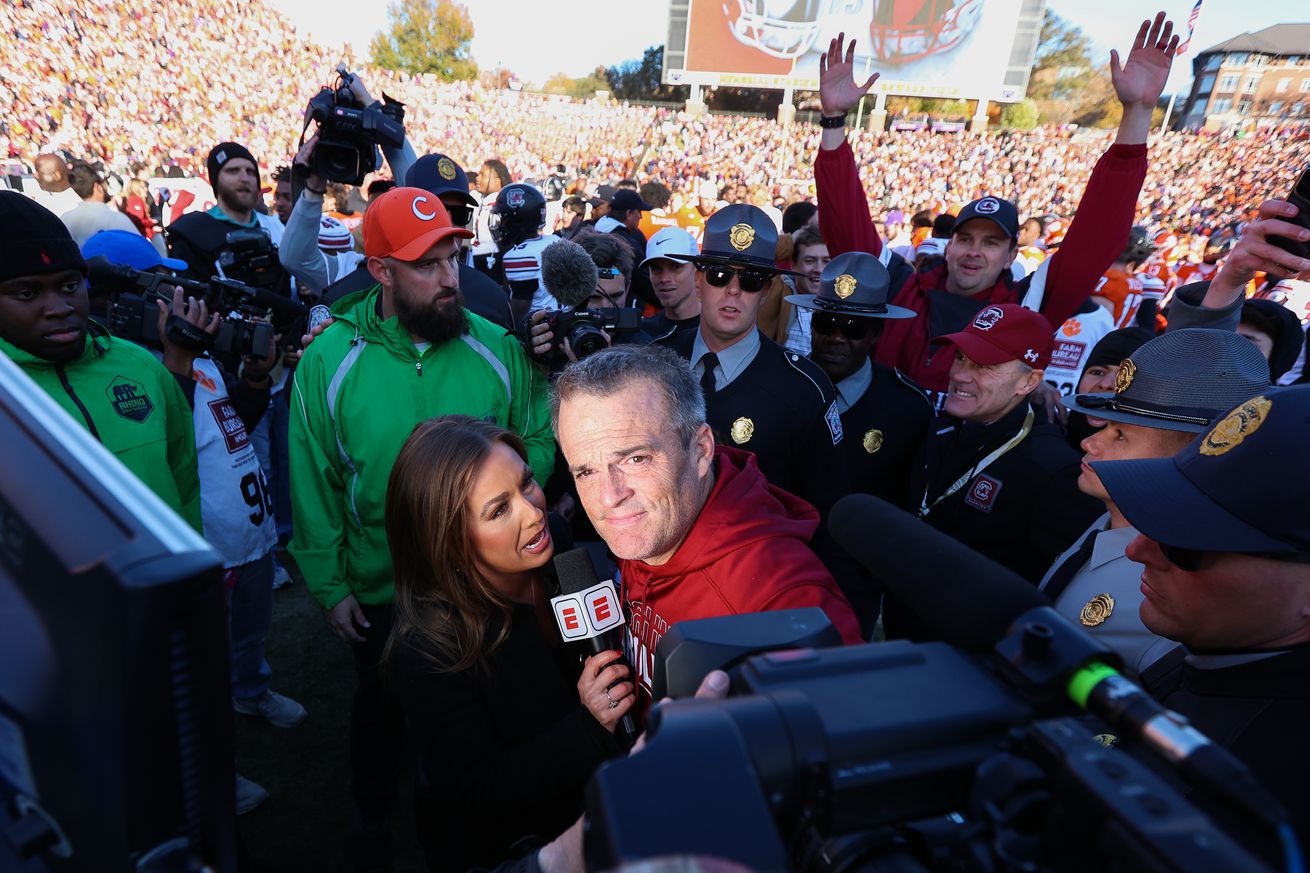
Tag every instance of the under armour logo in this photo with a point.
(1030, 356)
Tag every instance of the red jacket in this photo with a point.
(746, 552)
(1096, 237)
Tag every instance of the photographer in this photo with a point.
(226, 240)
(115, 389)
(613, 279)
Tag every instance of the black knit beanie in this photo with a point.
(1117, 345)
(33, 240)
(224, 152)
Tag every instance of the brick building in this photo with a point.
(1254, 80)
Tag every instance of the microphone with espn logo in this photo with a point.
(589, 609)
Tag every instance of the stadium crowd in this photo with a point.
(685, 343)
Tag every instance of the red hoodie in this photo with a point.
(746, 552)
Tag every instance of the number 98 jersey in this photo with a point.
(236, 504)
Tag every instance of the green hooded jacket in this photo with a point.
(359, 390)
(133, 406)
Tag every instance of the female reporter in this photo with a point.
(510, 724)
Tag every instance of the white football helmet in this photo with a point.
(784, 29)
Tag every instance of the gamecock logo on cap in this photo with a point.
(988, 318)
(987, 206)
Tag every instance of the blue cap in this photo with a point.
(1237, 488)
(438, 174)
(128, 248)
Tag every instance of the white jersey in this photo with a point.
(236, 504)
(1074, 340)
(483, 243)
(523, 264)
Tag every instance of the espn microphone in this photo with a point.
(589, 609)
(972, 602)
(568, 273)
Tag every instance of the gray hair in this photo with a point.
(611, 370)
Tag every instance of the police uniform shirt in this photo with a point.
(1104, 595)
(778, 405)
(885, 419)
(1024, 509)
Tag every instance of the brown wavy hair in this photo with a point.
(445, 609)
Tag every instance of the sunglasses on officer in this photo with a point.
(1192, 560)
(750, 281)
(826, 324)
(460, 215)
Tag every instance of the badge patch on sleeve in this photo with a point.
(834, 423)
(982, 493)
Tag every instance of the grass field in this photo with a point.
(303, 826)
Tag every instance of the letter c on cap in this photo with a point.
(420, 214)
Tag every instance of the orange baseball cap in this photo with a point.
(405, 222)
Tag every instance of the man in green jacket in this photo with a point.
(396, 354)
(114, 388)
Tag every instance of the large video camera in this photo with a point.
(904, 757)
(349, 132)
(585, 329)
(244, 330)
(249, 256)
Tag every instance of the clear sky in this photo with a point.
(537, 38)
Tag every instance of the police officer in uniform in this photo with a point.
(759, 396)
(1167, 391)
(994, 474)
(885, 417)
(1224, 545)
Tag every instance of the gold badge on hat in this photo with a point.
(1124, 378)
(741, 236)
(446, 168)
(1096, 610)
(742, 430)
(1236, 426)
(873, 441)
(845, 285)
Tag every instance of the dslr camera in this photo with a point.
(244, 330)
(586, 329)
(350, 132)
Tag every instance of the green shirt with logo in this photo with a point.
(133, 406)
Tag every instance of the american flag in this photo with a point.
(1191, 27)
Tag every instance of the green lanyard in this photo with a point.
(925, 507)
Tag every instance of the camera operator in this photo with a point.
(114, 388)
(201, 238)
(1224, 541)
(347, 273)
(697, 529)
(613, 280)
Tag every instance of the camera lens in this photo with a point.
(586, 339)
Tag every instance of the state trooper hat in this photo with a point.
(1207, 498)
(739, 235)
(440, 175)
(854, 283)
(1184, 380)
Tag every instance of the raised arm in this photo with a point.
(844, 216)
(1100, 227)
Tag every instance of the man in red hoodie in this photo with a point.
(698, 531)
(976, 273)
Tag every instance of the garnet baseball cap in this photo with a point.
(440, 175)
(668, 241)
(1236, 488)
(1005, 332)
(405, 222)
(994, 209)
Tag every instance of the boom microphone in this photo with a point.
(976, 604)
(589, 609)
(569, 274)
